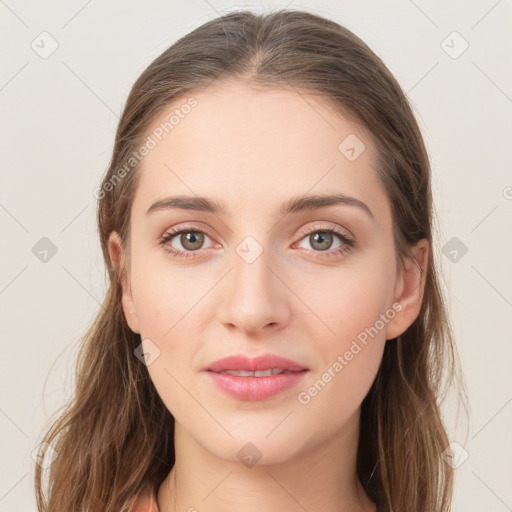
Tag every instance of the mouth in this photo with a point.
(256, 365)
(255, 379)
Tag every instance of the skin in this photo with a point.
(254, 149)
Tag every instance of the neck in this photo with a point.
(321, 479)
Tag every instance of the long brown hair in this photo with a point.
(116, 437)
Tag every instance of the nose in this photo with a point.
(255, 300)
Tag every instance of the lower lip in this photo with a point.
(255, 388)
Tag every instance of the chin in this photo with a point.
(255, 446)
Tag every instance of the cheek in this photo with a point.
(173, 389)
(353, 306)
(161, 300)
(165, 312)
(347, 302)
(350, 359)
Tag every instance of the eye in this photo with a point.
(321, 241)
(191, 239)
(185, 241)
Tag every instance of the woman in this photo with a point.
(274, 336)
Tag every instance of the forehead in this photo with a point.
(255, 148)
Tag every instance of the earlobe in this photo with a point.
(409, 290)
(118, 261)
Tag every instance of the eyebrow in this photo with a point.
(293, 205)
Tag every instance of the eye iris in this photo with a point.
(192, 237)
(321, 237)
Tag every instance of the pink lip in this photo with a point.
(263, 362)
(255, 388)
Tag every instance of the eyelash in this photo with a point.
(349, 243)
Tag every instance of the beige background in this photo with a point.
(59, 115)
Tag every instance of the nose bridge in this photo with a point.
(255, 298)
(252, 287)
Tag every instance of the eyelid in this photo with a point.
(190, 227)
(334, 228)
(304, 231)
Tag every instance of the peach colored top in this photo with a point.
(146, 503)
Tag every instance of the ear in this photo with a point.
(409, 290)
(119, 261)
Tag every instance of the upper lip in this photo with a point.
(255, 364)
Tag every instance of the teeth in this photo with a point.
(239, 373)
(261, 373)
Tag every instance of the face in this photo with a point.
(317, 286)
